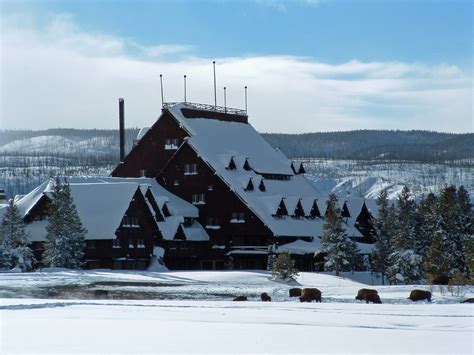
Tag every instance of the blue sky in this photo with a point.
(420, 46)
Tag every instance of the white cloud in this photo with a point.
(60, 76)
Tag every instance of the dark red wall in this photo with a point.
(149, 154)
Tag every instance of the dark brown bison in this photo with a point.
(265, 297)
(372, 297)
(420, 295)
(364, 291)
(240, 298)
(295, 292)
(468, 300)
(310, 294)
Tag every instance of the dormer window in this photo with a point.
(315, 211)
(249, 185)
(301, 170)
(345, 211)
(171, 143)
(190, 169)
(247, 165)
(166, 210)
(281, 211)
(299, 211)
(231, 165)
(261, 186)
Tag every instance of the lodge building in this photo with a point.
(251, 199)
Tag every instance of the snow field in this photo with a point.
(205, 320)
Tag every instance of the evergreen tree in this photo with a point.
(384, 227)
(65, 243)
(15, 250)
(427, 223)
(339, 248)
(284, 267)
(452, 225)
(405, 263)
(438, 260)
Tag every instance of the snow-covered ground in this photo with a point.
(193, 312)
(352, 178)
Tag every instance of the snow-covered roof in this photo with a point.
(195, 233)
(300, 247)
(219, 142)
(142, 132)
(102, 202)
(177, 205)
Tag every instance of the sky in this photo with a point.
(310, 65)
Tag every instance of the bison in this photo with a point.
(240, 298)
(265, 297)
(310, 294)
(372, 297)
(364, 291)
(468, 300)
(295, 292)
(420, 295)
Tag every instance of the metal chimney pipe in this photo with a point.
(161, 86)
(215, 88)
(122, 129)
(185, 88)
(225, 99)
(246, 99)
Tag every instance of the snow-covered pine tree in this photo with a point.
(65, 243)
(384, 228)
(426, 223)
(438, 260)
(339, 248)
(284, 267)
(16, 252)
(452, 225)
(405, 263)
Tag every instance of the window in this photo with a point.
(130, 221)
(116, 243)
(237, 217)
(142, 172)
(190, 169)
(176, 183)
(199, 199)
(210, 188)
(140, 242)
(171, 143)
(212, 221)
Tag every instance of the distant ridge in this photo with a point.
(378, 145)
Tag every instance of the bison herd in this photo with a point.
(364, 294)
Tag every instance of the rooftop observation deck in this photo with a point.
(195, 110)
(206, 107)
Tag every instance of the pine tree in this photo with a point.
(65, 243)
(452, 225)
(427, 223)
(405, 263)
(384, 228)
(339, 248)
(438, 260)
(16, 252)
(284, 267)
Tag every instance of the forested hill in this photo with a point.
(419, 146)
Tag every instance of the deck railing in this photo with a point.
(206, 107)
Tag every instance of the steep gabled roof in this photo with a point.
(218, 141)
